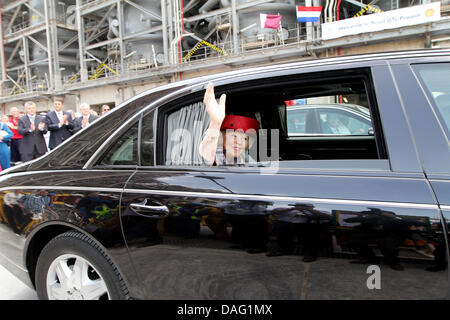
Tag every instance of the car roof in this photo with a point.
(332, 61)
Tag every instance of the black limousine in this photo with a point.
(129, 208)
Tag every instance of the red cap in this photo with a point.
(232, 121)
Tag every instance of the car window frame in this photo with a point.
(382, 164)
(108, 145)
(144, 114)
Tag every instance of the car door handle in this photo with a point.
(150, 211)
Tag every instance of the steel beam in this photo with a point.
(13, 5)
(68, 43)
(121, 32)
(146, 31)
(13, 18)
(92, 7)
(34, 10)
(164, 31)
(40, 45)
(52, 45)
(105, 16)
(101, 44)
(30, 64)
(81, 42)
(235, 27)
(154, 15)
(26, 50)
(226, 10)
(13, 53)
(27, 31)
(3, 70)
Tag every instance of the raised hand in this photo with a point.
(215, 110)
(84, 122)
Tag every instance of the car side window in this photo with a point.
(314, 117)
(342, 121)
(124, 151)
(147, 140)
(436, 79)
(296, 121)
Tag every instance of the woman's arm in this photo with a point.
(216, 112)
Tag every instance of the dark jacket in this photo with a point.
(57, 134)
(77, 122)
(34, 138)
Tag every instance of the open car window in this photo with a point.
(313, 117)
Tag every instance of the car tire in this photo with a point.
(73, 267)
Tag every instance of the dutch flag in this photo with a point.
(308, 14)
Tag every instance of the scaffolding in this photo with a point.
(51, 47)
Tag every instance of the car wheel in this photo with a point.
(73, 267)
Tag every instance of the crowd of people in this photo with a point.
(25, 136)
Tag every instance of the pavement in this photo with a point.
(12, 288)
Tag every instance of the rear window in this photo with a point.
(436, 79)
(317, 116)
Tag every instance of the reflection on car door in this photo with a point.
(207, 235)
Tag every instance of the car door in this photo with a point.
(425, 89)
(197, 232)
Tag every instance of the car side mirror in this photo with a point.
(370, 132)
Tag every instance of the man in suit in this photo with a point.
(59, 123)
(32, 127)
(86, 117)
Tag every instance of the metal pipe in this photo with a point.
(26, 59)
(182, 32)
(49, 49)
(164, 30)
(338, 16)
(235, 28)
(330, 11)
(170, 26)
(13, 18)
(81, 43)
(309, 31)
(154, 15)
(121, 26)
(2, 59)
(208, 6)
(268, 7)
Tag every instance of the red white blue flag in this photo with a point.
(308, 14)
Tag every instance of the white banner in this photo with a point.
(381, 21)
